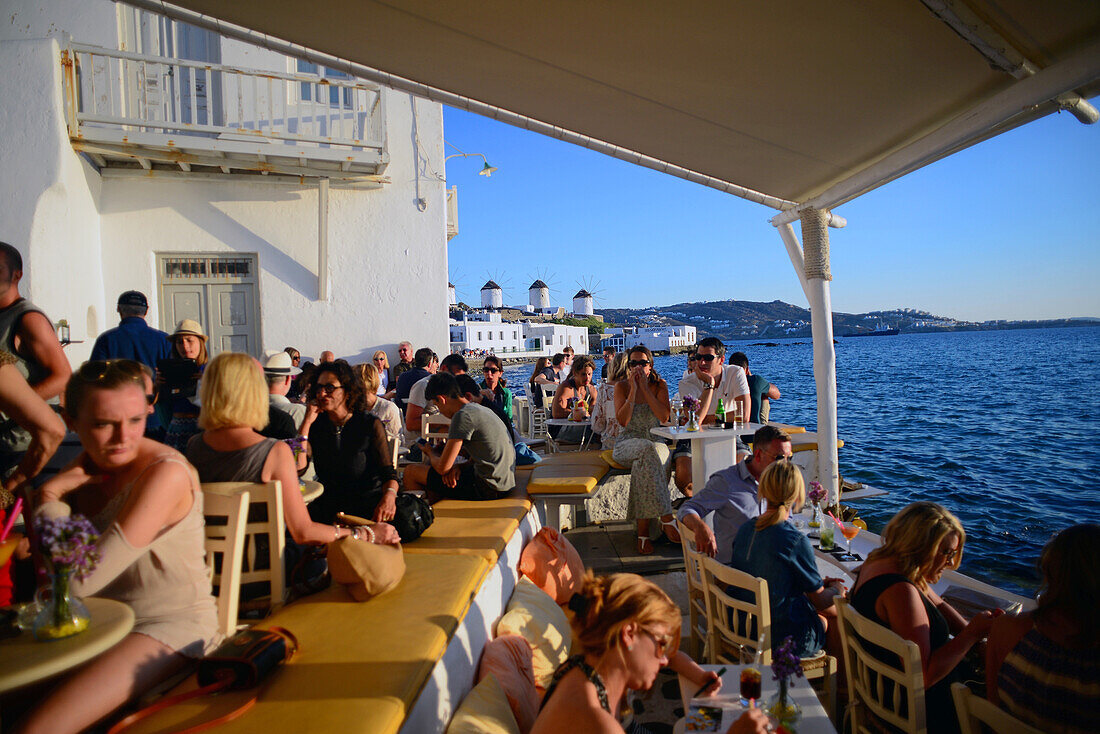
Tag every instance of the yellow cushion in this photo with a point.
(606, 456)
(795, 448)
(566, 479)
(484, 536)
(511, 507)
(533, 615)
(485, 710)
(360, 666)
(572, 458)
(787, 428)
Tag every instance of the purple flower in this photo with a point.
(785, 661)
(70, 542)
(817, 492)
(296, 444)
(690, 403)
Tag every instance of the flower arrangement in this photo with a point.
(69, 543)
(296, 444)
(69, 547)
(690, 403)
(817, 493)
(786, 666)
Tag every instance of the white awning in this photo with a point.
(781, 102)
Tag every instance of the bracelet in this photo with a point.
(391, 489)
(335, 533)
(370, 533)
(355, 533)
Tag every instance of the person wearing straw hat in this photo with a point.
(279, 371)
(188, 343)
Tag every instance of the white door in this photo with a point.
(218, 291)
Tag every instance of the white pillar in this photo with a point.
(322, 239)
(811, 261)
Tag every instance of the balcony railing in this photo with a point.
(119, 102)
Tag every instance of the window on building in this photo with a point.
(479, 336)
(335, 98)
(502, 336)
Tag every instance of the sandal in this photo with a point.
(645, 543)
(671, 531)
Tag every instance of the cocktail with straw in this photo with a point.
(849, 531)
(9, 541)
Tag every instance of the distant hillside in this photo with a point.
(750, 319)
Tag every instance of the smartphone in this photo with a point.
(179, 376)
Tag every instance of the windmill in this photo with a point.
(458, 289)
(585, 299)
(538, 293)
(492, 293)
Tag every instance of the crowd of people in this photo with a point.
(155, 416)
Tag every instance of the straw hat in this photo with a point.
(189, 327)
(279, 364)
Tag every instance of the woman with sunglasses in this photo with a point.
(627, 629)
(493, 370)
(894, 589)
(641, 403)
(146, 502)
(349, 448)
(381, 362)
(802, 603)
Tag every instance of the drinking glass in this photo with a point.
(676, 405)
(8, 547)
(849, 531)
(826, 537)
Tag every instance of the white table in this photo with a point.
(712, 449)
(586, 438)
(814, 720)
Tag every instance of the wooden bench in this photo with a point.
(566, 479)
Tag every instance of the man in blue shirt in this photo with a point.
(133, 338)
(731, 494)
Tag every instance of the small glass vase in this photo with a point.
(693, 421)
(63, 614)
(818, 517)
(782, 708)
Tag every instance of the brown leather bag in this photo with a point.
(366, 569)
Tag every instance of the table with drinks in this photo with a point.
(713, 447)
(740, 683)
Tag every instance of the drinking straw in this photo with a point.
(15, 510)
(838, 522)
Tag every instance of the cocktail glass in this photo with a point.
(826, 537)
(8, 547)
(750, 685)
(677, 406)
(849, 531)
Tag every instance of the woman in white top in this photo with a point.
(381, 362)
(384, 410)
(604, 421)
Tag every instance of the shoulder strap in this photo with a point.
(577, 661)
(170, 458)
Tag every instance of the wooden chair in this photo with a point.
(393, 445)
(974, 711)
(265, 518)
(736, 628)
(870, 698)
(227, 541)
(434, 426)
(697, 592)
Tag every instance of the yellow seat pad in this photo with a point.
(517, 508)
(795, 448)
(484, 536)
(572, 458)
(606, 456)
(787, 428)
(360, 666)
(566, 479)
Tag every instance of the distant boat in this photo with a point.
(879, 330)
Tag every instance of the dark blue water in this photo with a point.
(1001, 427)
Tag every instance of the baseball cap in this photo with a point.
(133, 298)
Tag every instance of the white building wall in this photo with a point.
(85, 239)
(555, 337)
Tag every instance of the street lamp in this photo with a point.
(486, 170)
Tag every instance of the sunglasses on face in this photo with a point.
(707, 357)
(490, 370)
(660, 641)
(326, 389)
(379, 359)
(949, 555)
(639, 362)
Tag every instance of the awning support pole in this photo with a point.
(322, 239)
(811, 262)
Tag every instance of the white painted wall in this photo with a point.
(85, 239)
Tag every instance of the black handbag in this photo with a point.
(414, 515)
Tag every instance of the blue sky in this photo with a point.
(1007, 229)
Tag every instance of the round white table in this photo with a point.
(311, 491)
(25, 660)
(587, 423)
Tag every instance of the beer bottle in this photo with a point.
(720, 413)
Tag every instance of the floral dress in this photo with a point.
(649, 465)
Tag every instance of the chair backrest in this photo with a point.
(548, 393)
(226, 540)
(975, 711)
(696, 587)
(434, 426)
(893, 693)
(736, 626)
(265, 518)
(393, 444)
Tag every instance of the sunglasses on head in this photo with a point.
(326, 389)
(97, 370)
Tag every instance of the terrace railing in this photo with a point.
(119, 97)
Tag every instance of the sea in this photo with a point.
(1001, 427)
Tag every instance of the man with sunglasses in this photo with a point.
(731, 494)
(709, 383)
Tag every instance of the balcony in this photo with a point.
(144, 115)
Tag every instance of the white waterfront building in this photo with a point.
(275, 202)
(662, 339)
(486, 331)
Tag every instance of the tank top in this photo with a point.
(641, 420)
(939, 705)
(10, 318)
(239, 465)
(577, 661)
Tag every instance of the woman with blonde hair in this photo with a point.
(384, 410)
(641, 403)
(234, 410)
(603, 415)
(773, 549)
(894, 589)
(626, 629)
(381, 362)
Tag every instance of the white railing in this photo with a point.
(119, 89)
